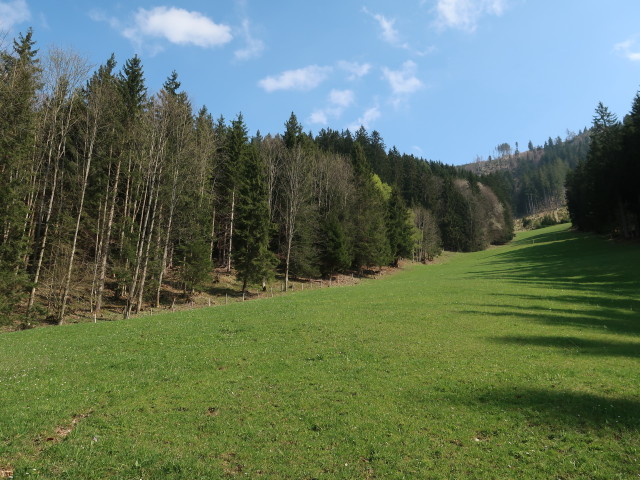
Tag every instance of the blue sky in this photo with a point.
(446, 80)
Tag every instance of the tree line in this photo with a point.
(108, 190)
(602, 192)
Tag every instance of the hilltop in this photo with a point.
(535, 178)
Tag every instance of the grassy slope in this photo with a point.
(518, 362)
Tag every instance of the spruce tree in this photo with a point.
(336, 253)
(370, 241)
(134, 91)
(171, 85)
(399, 228)
(253, 261)
(20, 80)
(293, 132)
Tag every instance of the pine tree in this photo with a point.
(236, 150)
(171, 85)
(133, 94)
(293, 132)
(630, 171)
(370, 241)
(20, 80)
(453, 210)
(134, 91)
(253, 261)
(399, 228)
(336, 253)
(296, 212)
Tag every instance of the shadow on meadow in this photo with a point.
(588, 283)
(601, 279)
(594, 315)
(569, 259)
(556, 408)
(576, 345)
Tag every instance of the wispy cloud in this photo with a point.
(630, 48)
(253, 46)
(100, 16)
(338, 102)
(303, 79)
(403, 82)
(388, 30)
(356, 70)
(341, 98)
(43, 21)
(465, 14)
(426, 51)
(366, 120)
(319, 117)
(13, 13)
(175, 25)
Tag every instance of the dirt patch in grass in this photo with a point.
(230, 465)
(63, 431)
(6, 472)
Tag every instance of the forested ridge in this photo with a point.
(110, 190)
(534, 179)
(594, 173)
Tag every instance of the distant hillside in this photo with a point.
(535, 179)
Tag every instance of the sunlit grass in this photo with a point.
(518, 362)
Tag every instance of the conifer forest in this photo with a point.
(110, 191)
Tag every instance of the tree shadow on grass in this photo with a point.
(600, 314)
(576, 345)
(601, 279)
(569, 259)
(558, 408)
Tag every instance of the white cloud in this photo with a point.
(338, 102)
(319, 117)
(368, 117)
(304, 79)
(178, 26)
(389, 33)
(630, 48)
(341, 98)
(253, 46)
(465, 14)
(403, 82)
(356, 70)
(12, 13)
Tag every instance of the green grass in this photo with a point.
(518, 362)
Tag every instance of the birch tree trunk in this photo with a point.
(233, 206)
(87, 168)
(63, 74)
(102, 275)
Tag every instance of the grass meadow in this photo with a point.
(522, 361)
